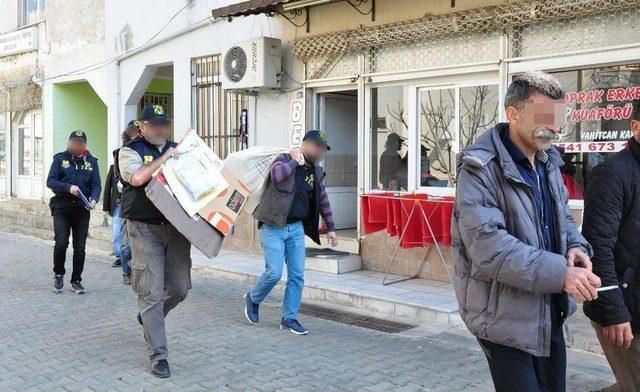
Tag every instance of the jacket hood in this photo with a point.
(489, 146)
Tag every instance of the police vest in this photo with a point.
(135, 203)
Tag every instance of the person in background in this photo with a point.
(111, 205)
(73, 174)
(611, 224)
(392, 164)
(293, 200)
(161, 256)
(518, 255)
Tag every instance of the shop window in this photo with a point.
(38, 147)
(389, 170)
(3, 144)
(30, 12)
(219, 117)
(600, 110)
(442, 122)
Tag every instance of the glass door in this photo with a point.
(28, 167)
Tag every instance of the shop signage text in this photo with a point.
(19, 41)
(612, 111)
(578, 147)
(296, 119)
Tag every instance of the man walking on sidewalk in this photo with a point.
(293, 199)
(516, 250)
(112, 205)
(161, 260)
(73, 174)
(611, 224)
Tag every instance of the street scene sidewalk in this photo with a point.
(68, 342)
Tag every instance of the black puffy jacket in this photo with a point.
(612, 225)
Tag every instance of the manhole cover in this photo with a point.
(377, 324)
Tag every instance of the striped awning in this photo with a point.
(251, 7)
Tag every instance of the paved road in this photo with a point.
(66, 342)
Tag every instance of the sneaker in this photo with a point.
(58, 283)
(293, 326)
(161, 369)
(250, 309)
(126, 280)
(117, 263)
(78, 287)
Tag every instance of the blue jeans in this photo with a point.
(281, 246)
(116, 224)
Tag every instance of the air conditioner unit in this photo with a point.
(252, 65)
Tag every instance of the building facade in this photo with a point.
(430, 74)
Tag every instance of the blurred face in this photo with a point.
(76, 147)
(131, 134)
(312, 151)
(538, 123)
(156, 134)
(635, 128)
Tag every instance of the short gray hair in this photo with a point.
(524, 85)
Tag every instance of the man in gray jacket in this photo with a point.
(518, 255)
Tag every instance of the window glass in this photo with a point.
(38, 161)
(24, 151)
(3, 144)
(478, 112)
(599, 112)
(437, 135)
(29, 11)
(389, 131)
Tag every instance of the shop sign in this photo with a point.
(19, 41)
(578, 147)
(296, 124)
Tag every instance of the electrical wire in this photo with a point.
(104, 63)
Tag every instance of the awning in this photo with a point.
(251, 7)
(19, 93)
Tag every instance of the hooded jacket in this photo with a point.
(503, 276)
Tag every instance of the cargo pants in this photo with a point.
(161, 266)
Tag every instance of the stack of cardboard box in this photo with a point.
(204, 222)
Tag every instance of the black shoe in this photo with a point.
(161, 369)
(139, 319)
(117, 263)
(58, 283)
(77, 287)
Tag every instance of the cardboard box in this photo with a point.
(223, 211)
(198, 231)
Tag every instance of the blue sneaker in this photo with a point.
(250, 309)
(293, 326)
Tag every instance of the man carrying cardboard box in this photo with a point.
(293, 199)
(161, 262)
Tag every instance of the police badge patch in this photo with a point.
(148, 159)
(65, 164)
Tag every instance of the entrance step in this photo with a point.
(331, 261)
(345, 244)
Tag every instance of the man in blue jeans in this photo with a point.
(111, 204)
(290, 207)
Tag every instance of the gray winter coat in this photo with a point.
(503, 276)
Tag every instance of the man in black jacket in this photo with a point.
(111, 205)
(611, 225)
(73, 174)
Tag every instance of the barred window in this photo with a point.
(216, 115)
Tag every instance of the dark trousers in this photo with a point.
(515, 370)
(65, 222)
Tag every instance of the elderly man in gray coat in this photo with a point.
(518, 255)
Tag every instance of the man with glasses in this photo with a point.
(161, 262)
(518, 255)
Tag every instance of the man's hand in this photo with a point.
(74, 190)
(171, 152)
(581, 283)
(619, 334)
(296, 154)
(93, 203)
(577, 258)
(333, 238)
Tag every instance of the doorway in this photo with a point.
(338, 118)
(28, 163)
